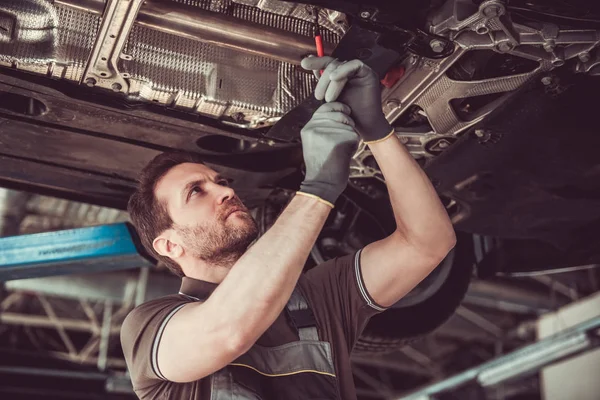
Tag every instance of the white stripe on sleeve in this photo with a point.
(154, 357)
(361, 284)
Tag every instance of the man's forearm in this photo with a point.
(420, 216)
(260, 283)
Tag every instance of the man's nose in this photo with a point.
(224, 193)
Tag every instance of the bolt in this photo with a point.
(413, 60)
(484, 135)
(116, 87)
(90, 82)
(504, 47)
(481, 30)
(391, 105)
(584, 57)
(437, 45)
(549, 46)
(547, 80)
(365, 14)
(443, 145)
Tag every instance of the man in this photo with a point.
(246, 324)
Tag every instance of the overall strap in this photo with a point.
(301, 316)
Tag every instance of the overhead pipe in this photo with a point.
(215, 28)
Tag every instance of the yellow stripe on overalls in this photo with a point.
(286, 374)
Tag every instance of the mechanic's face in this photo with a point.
(210, 222)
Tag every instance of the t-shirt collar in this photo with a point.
(196, 288)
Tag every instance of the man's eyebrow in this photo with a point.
(189, 186)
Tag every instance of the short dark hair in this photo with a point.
(149, 216)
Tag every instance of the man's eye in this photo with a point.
(195, 189)
(223, 182)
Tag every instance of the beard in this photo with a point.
(223, 241)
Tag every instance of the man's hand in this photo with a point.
(392, 266)
(328, 143)
(356, 85)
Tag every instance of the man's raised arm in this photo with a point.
(202, 338)
(424, 234)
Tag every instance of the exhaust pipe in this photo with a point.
(215, 28)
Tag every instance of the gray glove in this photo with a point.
(328, 143)
(355, 84)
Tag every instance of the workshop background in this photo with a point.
(495, 99)
(59, 335)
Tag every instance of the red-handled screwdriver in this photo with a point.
(319, 43)
(317, 34)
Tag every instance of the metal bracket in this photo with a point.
(460, 15)
(484, 27)
(102, 69)
(589, 66)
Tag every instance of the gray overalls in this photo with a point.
(301, 370)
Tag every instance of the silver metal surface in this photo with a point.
(426, 83)
(44, 39)
(182, 20)
(210, 80)
(230, 32)
(218, 58)
(330, 20)
(454, 16)
(274, 6)
(441, 89)
(29, 29)
(102, 69)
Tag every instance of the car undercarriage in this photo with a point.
(495, 99)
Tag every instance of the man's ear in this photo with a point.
(165, 246)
